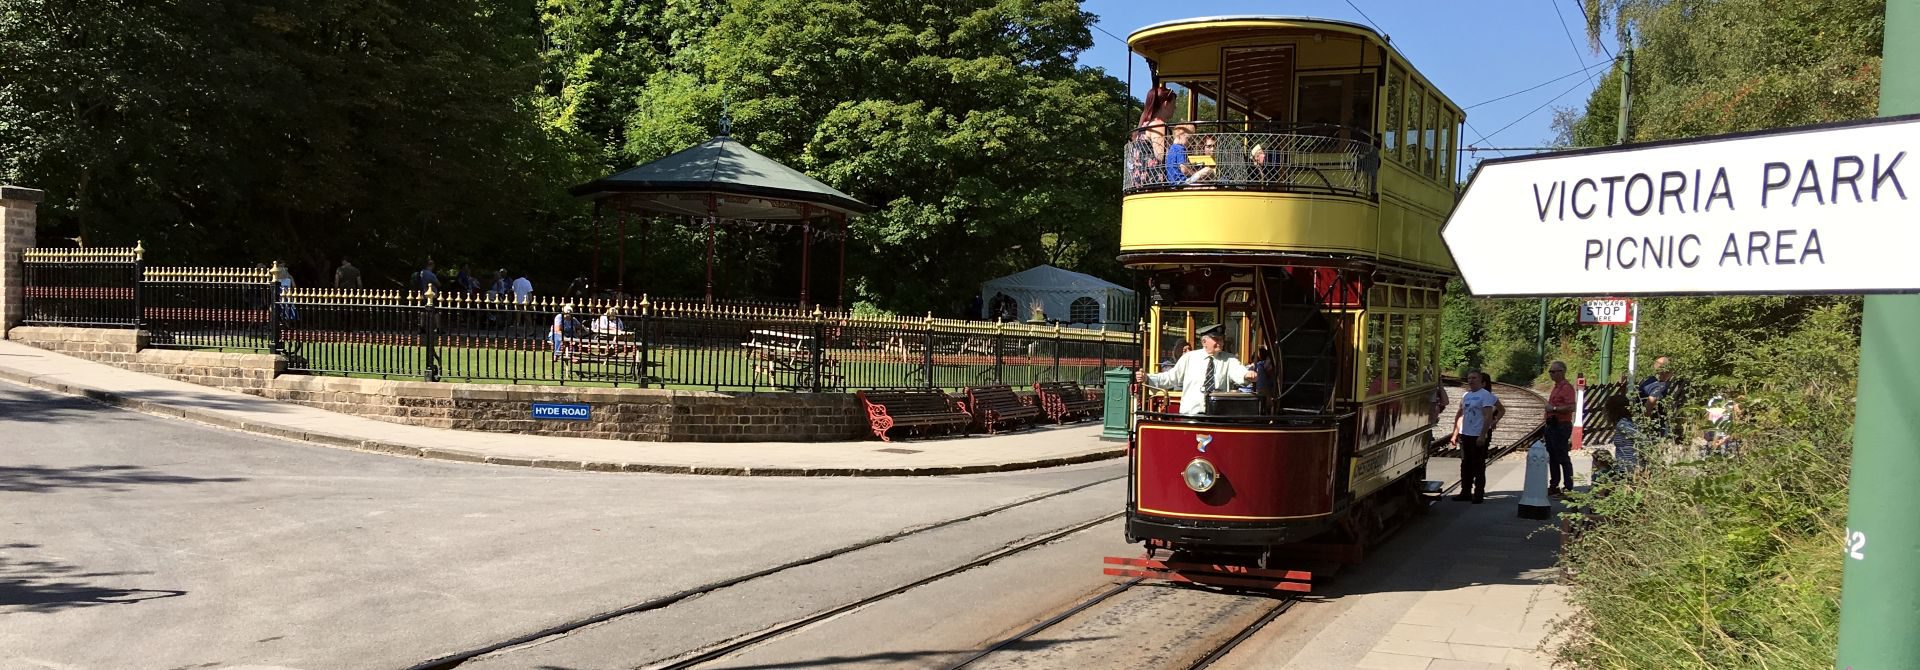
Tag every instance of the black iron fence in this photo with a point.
(91, 288)
(493, 338)
(209, 308)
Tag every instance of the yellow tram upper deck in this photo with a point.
(1286, 137)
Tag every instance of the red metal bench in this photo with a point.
(918, 410)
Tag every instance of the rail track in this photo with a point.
(697, 657)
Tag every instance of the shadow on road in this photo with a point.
(47, 586)
(37, 479)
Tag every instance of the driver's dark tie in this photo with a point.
(1207, 387)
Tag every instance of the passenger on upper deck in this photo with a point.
(1199, 373)
(1148, 149)
(1178, 167)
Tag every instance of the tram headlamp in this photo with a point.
(1200, 475)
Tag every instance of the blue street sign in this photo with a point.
(566, 411)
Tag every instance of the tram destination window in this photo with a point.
(1260, 79)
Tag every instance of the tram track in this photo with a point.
(454, 660)
(729, 647)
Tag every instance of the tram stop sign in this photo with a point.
(1819, 209)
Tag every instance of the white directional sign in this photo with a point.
(1821, 209)
(1606, 312)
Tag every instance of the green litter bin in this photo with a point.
(1117, 413)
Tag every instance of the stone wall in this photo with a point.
(653, 415)
(18, 217)
(248, 373)
(113, 346)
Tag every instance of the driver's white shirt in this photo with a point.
(1189, 374)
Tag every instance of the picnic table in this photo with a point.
(605, 354)
(787, 362)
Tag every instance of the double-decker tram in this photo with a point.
(1285, 189)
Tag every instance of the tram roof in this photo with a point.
(1152, 40)
(1303, 21)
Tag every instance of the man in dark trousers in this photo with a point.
(1480, 412)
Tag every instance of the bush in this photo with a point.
(1729, 562)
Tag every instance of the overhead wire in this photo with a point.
(1577, 56)
(1536, 110)
(1543, 84)
(1370, 21)
(1582, 6)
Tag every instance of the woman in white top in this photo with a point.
(609, 322)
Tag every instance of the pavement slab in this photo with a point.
(1043, 446)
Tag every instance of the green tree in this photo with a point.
(236, 132)
(1728, 563)
(985, 147)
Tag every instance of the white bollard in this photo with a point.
(1533, 497)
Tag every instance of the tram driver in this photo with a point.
(1199, 373)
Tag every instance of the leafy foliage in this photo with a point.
(240, 131)
(236, 132)
(986, 148)
(1729, 562)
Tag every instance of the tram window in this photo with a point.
(1376, 352)
(1193, 100)
(1416, 110)
(1416, 349)
(1343, 99)
(1430, 135)
(1396, 101)
(1396, 350)
(1446, 149)
(1430, 350)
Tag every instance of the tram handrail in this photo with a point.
(1242, 155)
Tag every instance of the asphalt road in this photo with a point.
(130, 541)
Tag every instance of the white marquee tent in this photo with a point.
(1067, 296)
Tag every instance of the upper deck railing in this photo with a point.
(1252, 156)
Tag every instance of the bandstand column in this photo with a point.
(597, 241)
(842, 302)
(806, 250)
(710, 216)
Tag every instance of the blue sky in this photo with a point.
(1474, 51)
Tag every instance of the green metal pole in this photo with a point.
(1606, 353)
(1619, 137)
(1880, 591)
(1540, 342)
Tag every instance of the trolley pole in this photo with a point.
(1880, 591)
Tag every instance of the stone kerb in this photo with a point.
(653, 415)
(19, 212)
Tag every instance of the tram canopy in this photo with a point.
(1064, 295)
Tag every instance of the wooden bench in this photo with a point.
(1063, 400)
(998, 405)
(919, 410)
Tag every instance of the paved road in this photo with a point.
(133, 541)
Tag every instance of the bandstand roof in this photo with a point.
(743, 185)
